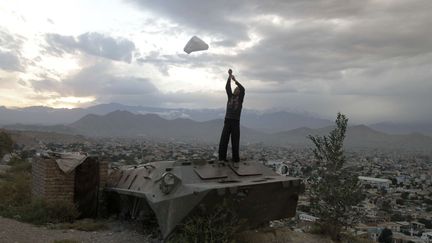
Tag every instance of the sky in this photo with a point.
(369, 59)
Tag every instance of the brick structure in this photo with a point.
(50, 183)
(82, 186)
(103, 174)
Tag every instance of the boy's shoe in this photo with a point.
(236, 165)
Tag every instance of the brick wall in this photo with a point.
(50, 183)
(103, 178)
(103, 174)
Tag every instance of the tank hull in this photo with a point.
(172, 190)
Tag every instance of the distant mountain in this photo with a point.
(401, 128)
(127, 124)
(263, 121)
(281, 121)
(268, 121)
(359, 136)
(151, 126)
(39, 115)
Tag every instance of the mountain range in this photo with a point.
(152, 126)
(268, 121)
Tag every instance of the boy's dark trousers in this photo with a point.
(231, 129)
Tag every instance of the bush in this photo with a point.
(427, 223)
(325, 228)
(397, 217)
(6, 144)
(19, 165)
(66, 241)
(41, 212)
(219, 226)
(328, 229)
(15, 199)
(15, 191)
(386, 236)
(316, 229)
(83, 225)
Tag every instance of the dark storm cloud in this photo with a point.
(362, 53)
(95, 44)
(209, 17)
(322, 50)
(315, 46)
(230, 20)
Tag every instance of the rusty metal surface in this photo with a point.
(173, 189)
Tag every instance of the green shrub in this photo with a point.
(316, 229)
(83, 225)
(18, 165)
(66, 241)
(218, 226)
(41, 212)
(15, 191)
(16, 202)
(6, 144)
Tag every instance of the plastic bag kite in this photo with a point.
(195, 44)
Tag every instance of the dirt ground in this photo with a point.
(280, 235)
(12, 231)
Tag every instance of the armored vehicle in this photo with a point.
(173, 189)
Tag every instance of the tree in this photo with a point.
(427, 223)
(6, 144)
(386, 206)
(397, 217)
(386, 236)
(334, 190)
(405, 195)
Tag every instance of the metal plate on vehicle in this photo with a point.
(210, 172)
(245, 169)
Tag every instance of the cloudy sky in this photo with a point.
(371, 59)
